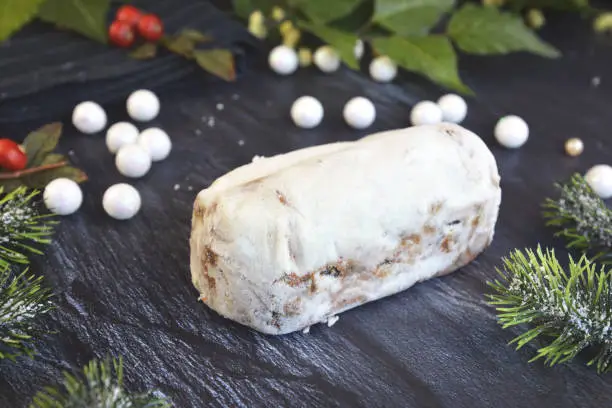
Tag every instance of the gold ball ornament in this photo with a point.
(574, 147)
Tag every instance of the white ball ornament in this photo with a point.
(326, 59)
(120, 134)
(599, 178)
(454, 108)
(143, 105)
(425, 113)
(133, 161)
(89, 117)
(511, 132)
(283, 60)
(121, 201)
(307, 112)
(359, 112)
(383, 69)
(156, 142)
(63, 196)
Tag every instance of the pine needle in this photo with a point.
(99, 386)
(22, 300)
(572, 309)
(21, 226)
(582, 218)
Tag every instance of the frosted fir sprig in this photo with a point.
(582, 219)
(571, 310)
(21, 227)
(99, 386)
(22, 300)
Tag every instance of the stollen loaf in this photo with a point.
(291, 240)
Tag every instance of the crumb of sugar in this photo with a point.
(306, 330)
(177, 186)
(241, 142)
(220, 106)
(332, 320)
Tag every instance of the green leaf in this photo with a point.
(432, 56)
(195, 36)
(487, 30)
(410, 17)
(53, 158)
(40, 179)
(39, 143)
(323, 11)
(86, 17)
(356, 20)
(145, 51)
(182, 45)
(15, 14)
(343, 43)
(218, 62)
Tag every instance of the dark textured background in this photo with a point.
(123, 288)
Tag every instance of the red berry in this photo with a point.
(12, 158)
(121, 34)
(128, 14)
(150, 27)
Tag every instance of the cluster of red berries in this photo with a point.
(130, 21)
(12, 156)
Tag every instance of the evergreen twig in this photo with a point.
(21, 226)
(573, 308)
(22, 299)
(99, 386)
(582, 219)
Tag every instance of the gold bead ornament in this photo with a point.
(574, 147)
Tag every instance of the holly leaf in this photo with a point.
(218, 62)
(39, 143)
(323, 11)
(343, 43)
(86, 17)
(8, 185)
(181, 45)
(145, 51)
(195, 36)
(410, 17)
(487, 30)
(15, 14)
(432, 56)
(53, 158)
(40, 179)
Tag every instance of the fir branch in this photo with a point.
(573, 308)
(582, 218)
(22, 300)
(21, 226)
(100, 386)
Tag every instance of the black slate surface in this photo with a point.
(123, 288)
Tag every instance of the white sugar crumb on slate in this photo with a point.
(241, 142)
(256, 157)
(198, 132)
(71, 152)
(596, 81)
(220, 106)
(235, 97)
(177, 186)
(332, 320)
(189, 188)
(211, 122)
(306, 330)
